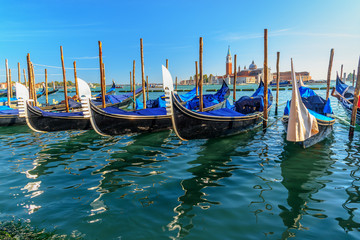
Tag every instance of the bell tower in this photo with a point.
(228, 63)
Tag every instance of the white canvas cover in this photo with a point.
(302, 125)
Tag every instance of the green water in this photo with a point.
(154, 186)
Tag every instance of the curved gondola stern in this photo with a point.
(22, 94)
(169, 98)
(89, 112)
(86, 105)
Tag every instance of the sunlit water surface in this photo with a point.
(154, 186)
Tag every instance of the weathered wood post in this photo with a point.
(142, 73)
(167, 63)
(355, 104)
(29, 75)
(265, 81)
(277, 81)
(76, 81)
(134, 97)
(102, 79)
(196, 78)
(46, 88)
(130, 83)
(353, 78)
(64, 80)
(201, 75)
(341, 73)
(19, 73)
(10, 81)
(176, 84)
(147, 87)
(8, 85)
(329, 73)
(25, 77)
(234, 84)
(33, 83)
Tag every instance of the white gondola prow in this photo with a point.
(168, 89)
(85, 95)
(22, 94)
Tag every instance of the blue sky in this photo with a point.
(304, 30)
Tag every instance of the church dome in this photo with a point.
(252, 66)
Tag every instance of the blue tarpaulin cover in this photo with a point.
(9, 111)
(59, 114)
(225, 112)
(113, 99)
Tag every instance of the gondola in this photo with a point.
(112, 121)
(345, 95)
(10, 116)
(191, 101)
(43, 121)
(305, 118)
(187, 124)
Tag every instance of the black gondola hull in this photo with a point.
(116, 124)
(191, 125)
(325, 128)
(38, 122)
(11, 120)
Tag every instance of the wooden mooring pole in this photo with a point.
(265, 80)
(147, 87)
(8, 85)
(29, 76)
(102, 79)
(176, 84)
(277, 81)
(64, 79)
(355, 103)
(234, 84)
(142, 73)
(134, 103)
(201, 75)
(130, 83)
(76, 81)
(25, 77)
(341, 73)
(33, 83)
(10, 81)
(353, 78)
(329, 73)
(196, 78)
(167, 63)
(46, 88)
(19, 73)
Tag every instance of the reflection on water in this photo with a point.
(302, 172)
(212, 165)
(154, 186)
(353, 191)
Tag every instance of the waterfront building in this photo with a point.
(286, 76)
